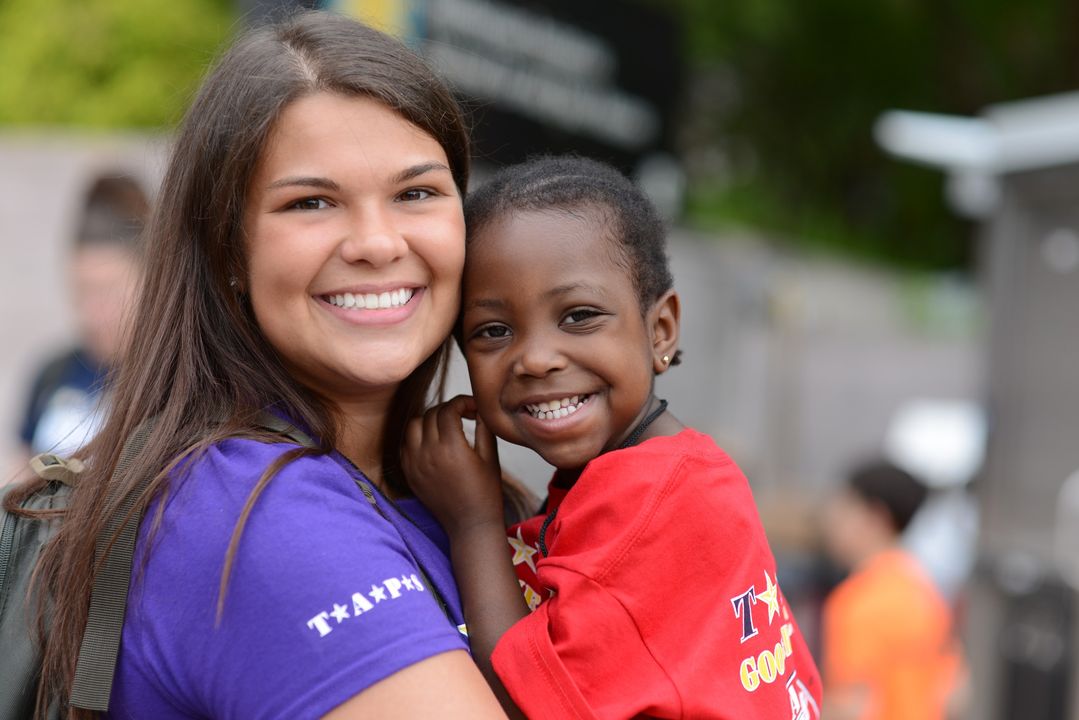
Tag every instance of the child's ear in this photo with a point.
(663, 320)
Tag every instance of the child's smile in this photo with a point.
(557, 347)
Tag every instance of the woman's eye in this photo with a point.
(413, 194)
(309, 204)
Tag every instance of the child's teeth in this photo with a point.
(549, 410)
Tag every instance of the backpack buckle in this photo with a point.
(48, 466)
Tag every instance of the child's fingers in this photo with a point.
(462, 405)
(414, 433)
(430, 425)
(450, 424)
(486, 444)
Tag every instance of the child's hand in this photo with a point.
(460, 484)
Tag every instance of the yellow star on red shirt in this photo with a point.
(770, 597)
(522, 551)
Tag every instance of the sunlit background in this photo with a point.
(874, 212)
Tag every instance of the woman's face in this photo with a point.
(355, 242)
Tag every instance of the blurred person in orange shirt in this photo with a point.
(889, 648)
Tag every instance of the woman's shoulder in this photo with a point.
(232, 467)
(240, 480)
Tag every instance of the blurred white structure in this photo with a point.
(942, 443)
(975, 152)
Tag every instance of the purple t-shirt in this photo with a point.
(325, 596)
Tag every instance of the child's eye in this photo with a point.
(492, 332)
(580, 315)
(414, 194)
(313, 203)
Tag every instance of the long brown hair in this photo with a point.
(196, 359)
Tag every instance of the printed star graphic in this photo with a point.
(378, 593)
(407, 582)
(522, 551)
(770, 597)
(340, 612)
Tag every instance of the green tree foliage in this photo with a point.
(105, 63)
(803, 82)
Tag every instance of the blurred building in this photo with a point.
(1016, 167)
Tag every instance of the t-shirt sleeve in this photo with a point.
(549, 663)
(324, 598)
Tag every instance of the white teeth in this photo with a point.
(552, 409)
(390, 299)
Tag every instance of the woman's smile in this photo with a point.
(385, 307)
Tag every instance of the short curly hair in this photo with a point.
(572, 183)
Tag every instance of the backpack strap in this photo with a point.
(283, 427)
(108, 600)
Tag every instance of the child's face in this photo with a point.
(551, 319)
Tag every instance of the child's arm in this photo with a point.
(461, 485)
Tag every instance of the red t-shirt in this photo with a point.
(658, 597)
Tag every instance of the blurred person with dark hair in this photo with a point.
(889, 652)
(62, 411)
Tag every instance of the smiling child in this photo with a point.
(649, 587)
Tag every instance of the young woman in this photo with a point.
(305, 259)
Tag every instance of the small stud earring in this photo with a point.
(666, 359)
(233, 282)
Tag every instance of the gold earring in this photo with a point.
(666, 359)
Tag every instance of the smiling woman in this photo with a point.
(303, 270)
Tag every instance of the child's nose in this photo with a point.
(372, 237)
(538, 356)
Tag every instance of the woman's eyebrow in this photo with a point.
(315, 182)
(416, 170)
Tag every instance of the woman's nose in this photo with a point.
(373, 237)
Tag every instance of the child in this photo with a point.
(889, 647)
(651, 584)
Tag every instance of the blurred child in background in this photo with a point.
(889, 650)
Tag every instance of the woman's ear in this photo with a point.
(663, 321)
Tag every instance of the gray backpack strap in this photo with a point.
(283, 427)
(108, 600)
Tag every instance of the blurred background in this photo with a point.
(874, 213)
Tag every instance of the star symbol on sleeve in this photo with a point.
(340, 612)
(378, 593)
(770, 597)
(522, 551)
